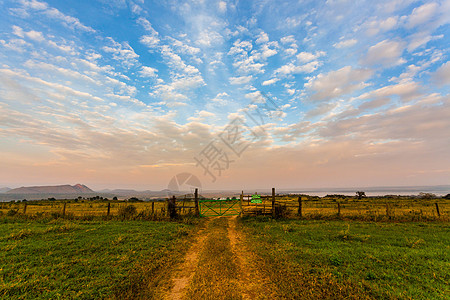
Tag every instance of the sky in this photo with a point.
(241, 94)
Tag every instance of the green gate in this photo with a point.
(214, 208)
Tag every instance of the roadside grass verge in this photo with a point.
(352, 260)
(88, 259)
(216, 276)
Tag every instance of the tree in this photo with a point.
(360, 194)
(427, 195)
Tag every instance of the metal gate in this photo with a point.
(214, 208)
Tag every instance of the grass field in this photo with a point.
(352, 260)
(87, 259)
(79, 208)
(43, 255)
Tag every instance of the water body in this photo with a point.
(440, 190)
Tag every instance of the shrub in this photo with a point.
(281, 211)
(127, 211)
(12, 212)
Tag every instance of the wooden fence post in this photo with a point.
(109, 209)
(153, 207)
(25, 209)
(300, 206)
(273, 202)
(172, 207)
(339, 209)
(437, 209)
(64, 209)
(240, 204)
(387, 210)
(197, 210)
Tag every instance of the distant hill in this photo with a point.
(58, 189)
(4, 190)
(134, 193)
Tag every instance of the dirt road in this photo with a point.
(219, 266)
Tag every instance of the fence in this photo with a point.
(299, 206)
(82, 208)
(304, 206)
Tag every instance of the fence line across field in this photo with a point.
(245, 205)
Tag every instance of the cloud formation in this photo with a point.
(351, 86)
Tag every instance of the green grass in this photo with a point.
(87, 259)
(344, 260)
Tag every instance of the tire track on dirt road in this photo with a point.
(219, 266)
(253, 286)
(186, 271)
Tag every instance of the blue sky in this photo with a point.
(128, 93)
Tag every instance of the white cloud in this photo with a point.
(34, 4)
(147, 26)
(209, 38)
(136, 8)
(262, 38)
(292, 22)
(256, 97)
(184, 48)
(407, 90)
(385, 53)
(42, 66)
(240, 47)
(222, 6)
(219, 97)
(122, 52)
(15, 44)
(421, 39)
(169, 94)
(149, 41)
(18, 31)
(32, 34)
(53, 13)
(304, 57)
(288, 39)
(345, 43)
(71, 22)
(35, 35)
(187, 82)
(263, 53)
(291, 68)
(290, 51)
(175, 61)
(422, 14)
(338, 83)
(148, 72)
(271, 81)
(240, 80)
(442, 75)
(201, 116)
(65, 48)
(374, 26)
(248, 66)
(321, 109)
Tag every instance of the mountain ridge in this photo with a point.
(4, 189)
(52, 189)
